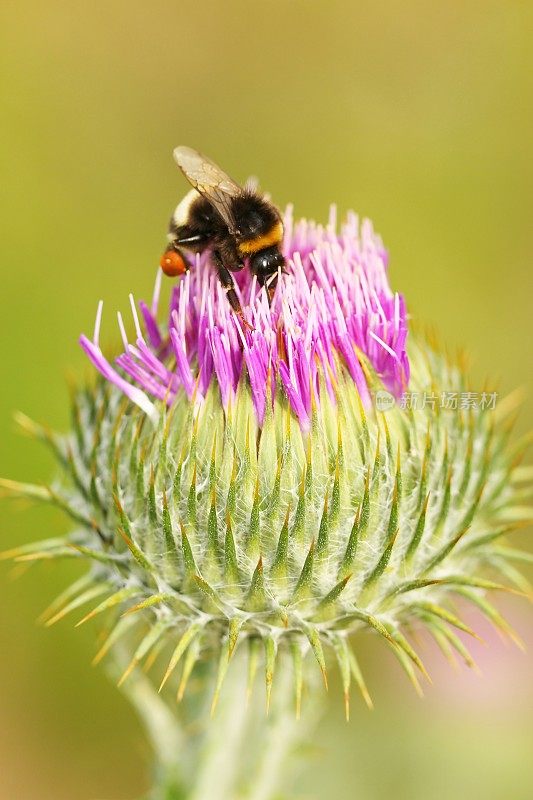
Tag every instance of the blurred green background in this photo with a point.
(419, 115)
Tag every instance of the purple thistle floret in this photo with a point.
(331, 304)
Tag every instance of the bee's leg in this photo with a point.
(186, 236)
(224, 276)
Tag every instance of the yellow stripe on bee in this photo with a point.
(274, 236)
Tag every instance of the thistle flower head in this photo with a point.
(332, 303)
(238, 487)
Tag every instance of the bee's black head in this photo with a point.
(266, 263)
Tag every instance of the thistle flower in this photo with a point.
(238, 490)
(333, 302)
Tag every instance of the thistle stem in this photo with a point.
(282, 735)
(239, 754)
(165, 734)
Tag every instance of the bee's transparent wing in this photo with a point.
(210, 181)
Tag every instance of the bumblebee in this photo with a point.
(236, 224)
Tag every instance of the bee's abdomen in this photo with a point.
(195, 212)
(181, 214)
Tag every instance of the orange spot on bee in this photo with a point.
(172, 263)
